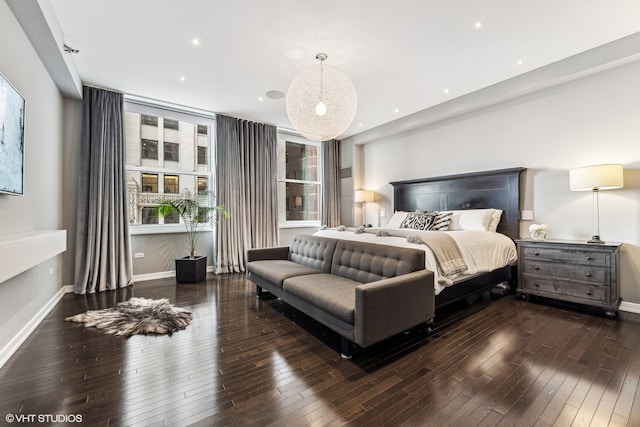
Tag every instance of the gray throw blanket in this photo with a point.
(445, 250)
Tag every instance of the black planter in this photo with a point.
(191, 270)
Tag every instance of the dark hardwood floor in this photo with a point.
(242, 362)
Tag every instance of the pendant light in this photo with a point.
(321, 101)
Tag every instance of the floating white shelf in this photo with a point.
(22, 251)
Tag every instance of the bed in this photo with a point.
(473, 196)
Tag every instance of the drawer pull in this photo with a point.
(589, 293)
(588, 258)
(536, 253)
(536, 268)
(588, 274)
(536, 284)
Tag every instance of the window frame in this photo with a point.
(144, 106)
(297, 139)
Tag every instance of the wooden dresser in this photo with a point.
(571, 271)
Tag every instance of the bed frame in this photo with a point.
(499, 189)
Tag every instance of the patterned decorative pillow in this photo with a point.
(419, 220)
(441, 221)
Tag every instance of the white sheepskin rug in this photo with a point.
(137, 316)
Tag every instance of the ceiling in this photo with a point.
(402, 56)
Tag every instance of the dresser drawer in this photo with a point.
(566, 255)
(582, 273)
(558, 289)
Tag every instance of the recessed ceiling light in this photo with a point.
(446, 90)
(275, 94)
(520, 62)
(260, 99)
(183, 78)
(396, 110)
(195, 42)
(478, 25)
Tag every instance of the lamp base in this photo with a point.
(596, 240)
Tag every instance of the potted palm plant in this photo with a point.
(195, 213)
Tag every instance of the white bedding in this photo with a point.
(482, 251)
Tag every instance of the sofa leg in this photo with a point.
(429, 326)
(259, 291)
(346, 348)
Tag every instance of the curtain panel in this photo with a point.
(246, 184)
(103, 249)
(330, 215)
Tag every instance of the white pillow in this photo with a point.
(471, 219)
(495, 220)
(397, 219)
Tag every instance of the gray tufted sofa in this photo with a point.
(363, 291)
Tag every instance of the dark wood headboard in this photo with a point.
(499, 189)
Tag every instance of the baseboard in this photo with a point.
(162, 275)
(153, 276)
(630, 307)
(15, 343)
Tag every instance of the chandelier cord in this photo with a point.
(321, 62)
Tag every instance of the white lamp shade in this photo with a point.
(601, 177)
(362, 196)
(338, 96)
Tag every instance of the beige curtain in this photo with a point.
(246, 184)
(331, 183)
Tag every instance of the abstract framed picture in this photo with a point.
(11, 139)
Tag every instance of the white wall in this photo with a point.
(42, 207)
(588, 121)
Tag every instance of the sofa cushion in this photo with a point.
(276, 271)
(368, 262)
(313, 251)
(333, 294)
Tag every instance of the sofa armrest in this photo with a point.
(260, 254)
(387, 307)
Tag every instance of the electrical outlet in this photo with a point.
(139, 255)
(527, 215)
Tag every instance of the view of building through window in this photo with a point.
(166, 158)
(299, 181)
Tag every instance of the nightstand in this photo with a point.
(572, 271)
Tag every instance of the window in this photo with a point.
(299, 182)
(149, 120)
(149, 216)
(171, 124)
(149, 183)
(167, 157)
(202, 156)
(171, 184)
(171, 152)
(149, 149)
(203, 184)
(172, 218)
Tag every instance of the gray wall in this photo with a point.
(47, 178)
(161, 250)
